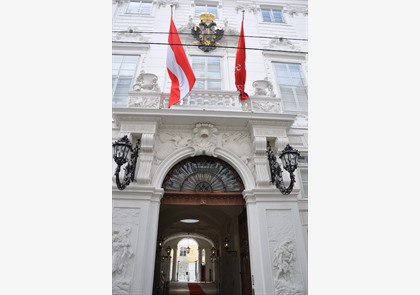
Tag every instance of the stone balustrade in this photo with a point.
(206, 100)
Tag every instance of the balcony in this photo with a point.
(204, 100)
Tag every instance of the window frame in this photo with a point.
(127, 11)
(206, 4)
(205, 71)
(272, 16)
(124, 77)
(296, 97)
(130, 49)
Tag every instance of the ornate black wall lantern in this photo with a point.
(168, 253)
(160, 243)
(289, 159)
(226, 243)
(213, 256)
(124, 153)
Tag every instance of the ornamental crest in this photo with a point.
(207, 33)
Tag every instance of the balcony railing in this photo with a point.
(205, 100)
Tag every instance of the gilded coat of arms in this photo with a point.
(207, 32)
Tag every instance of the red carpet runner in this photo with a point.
(195, 289)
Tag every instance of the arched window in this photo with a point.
(203, 256)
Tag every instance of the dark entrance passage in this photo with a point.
(203, 200)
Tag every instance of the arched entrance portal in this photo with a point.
(203, 200)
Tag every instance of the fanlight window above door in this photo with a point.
(203, 174)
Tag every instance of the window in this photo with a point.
(207, 70)
(139, 6)
(272, 15)
(123, 70)
(199, 8)
(303, 172)
(183, 251)
(292, 86)
(203, 257)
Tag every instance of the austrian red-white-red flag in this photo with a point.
(179, 68)
(240, 69)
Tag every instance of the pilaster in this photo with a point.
(134, 222)
(276, 232)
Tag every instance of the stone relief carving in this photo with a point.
(124, 222)
(130, 34)
(301, 121)
(292, 10)
(283, 264)
(167, 2)
(205, 139)
(281, 43)
(121, 254)
(146, 82)
(240, 144)
(149, 102)
(121, 250)
(266, 106)
(287, 276)
(251, 7)
(167, 142)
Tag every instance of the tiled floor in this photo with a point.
(181, 288)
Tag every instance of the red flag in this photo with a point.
(240, 69)
(178, 67)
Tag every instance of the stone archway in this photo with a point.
(203, 180)
(211, 190)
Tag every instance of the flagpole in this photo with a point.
(171, 9)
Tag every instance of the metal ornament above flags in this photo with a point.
(207, 33)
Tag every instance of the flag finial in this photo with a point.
(243, 13)
(171, 9)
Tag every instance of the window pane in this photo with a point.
(146, 8)
(133, 7)
(205, 68)
(292, 86)
(123, 71)
(214, 75)
(288, 98)
(278, 17)
(214, 85)
(212, 9)
(199, 9)
(266, 15)
(139, 6)
(283, 80)
(117, 58)
(199, 84)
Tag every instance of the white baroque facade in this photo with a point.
(211, 124)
